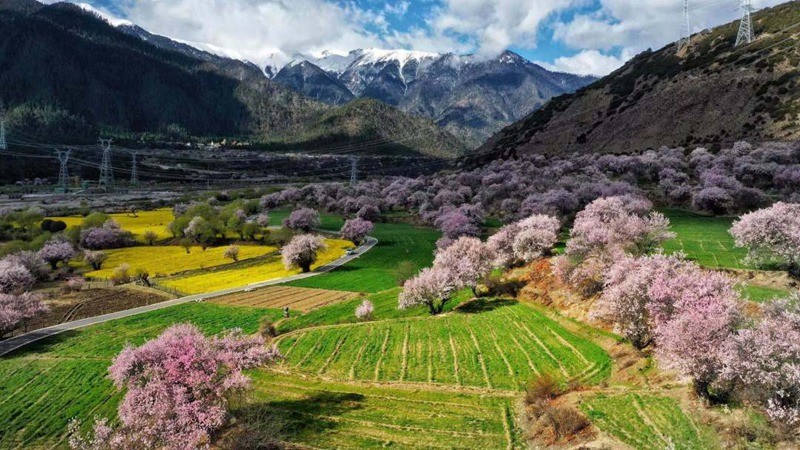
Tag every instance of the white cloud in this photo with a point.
(589, 62)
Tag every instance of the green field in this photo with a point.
(646, 422)
(762, 293)
(704, 239)
(60, 378)
(339, 415)
(498, 345)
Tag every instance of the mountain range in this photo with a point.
(709, 93)
(468, 96)
(67, 74)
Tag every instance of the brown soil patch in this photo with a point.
(299, 299)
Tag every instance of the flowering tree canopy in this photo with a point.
(14, 277)
(31, 261)
(109, 235)
(303, 219)
(501, 244)
(431, 287)
(301, 251)
(56, 251)
(95, 259)
(766, 359)
(355, 230)
(537, 235)
(467, 261)
(15, 310)
(177, 388)
(364, 310)
(771, 235)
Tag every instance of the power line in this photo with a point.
(745, 35)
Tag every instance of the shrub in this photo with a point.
(95, 259)
(74, 284)
(150, 237)
(364, 310)
(266, 328)
(142, 276)
(121, 275)
(232, 253)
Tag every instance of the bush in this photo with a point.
(150, 237)
(266, 328)
(121, 275)
(74, 284)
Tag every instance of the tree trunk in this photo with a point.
(306, 268)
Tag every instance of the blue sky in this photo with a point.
(579, 36)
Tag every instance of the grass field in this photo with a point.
(704, 239)
(278, 297)
(156, 220)
(244, 274)
(374, 271)
(168, 260)
(496, 344)
(646, 422)
(758, 293)
(63, 377)
(322, 414)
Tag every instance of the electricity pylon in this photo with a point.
(134, 172)
(746, 34)
(686, 29)
(63, 171)
(3, 143)
(106, 171)
(353, 170)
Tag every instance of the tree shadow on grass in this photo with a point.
(482, 305)
(41, 346)
(291, 419)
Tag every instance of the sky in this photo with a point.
(578, 36)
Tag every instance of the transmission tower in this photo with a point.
(353, 170)
(106, 171)
(134, 172)
(63, 173)
(686, 29)
(746, 34)
(3, 143)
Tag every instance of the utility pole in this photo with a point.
(106, 171)
(686, 29)
(746, 34)
(134, 172)
(63, 172)
(353, 171)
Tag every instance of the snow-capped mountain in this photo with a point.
(472, 97)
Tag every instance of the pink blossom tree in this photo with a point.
(355, 230)
(765, 359)
(14, 277)
(110, 235)
(303, 219)
(364, 310)
(178, 387)
(56, 251)
(31, 261)
(501, 244)
(432, 287)
(467, 260)
(95, 258)
(17, 310)
(771, 236)
(301, 252)
(537, 236)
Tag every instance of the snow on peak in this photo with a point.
(213, 49)
(339, 62)
(112, 20)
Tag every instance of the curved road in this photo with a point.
(16, 342)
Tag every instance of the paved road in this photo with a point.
(16, 342)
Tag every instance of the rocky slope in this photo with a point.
(707, 94)
(470, 97)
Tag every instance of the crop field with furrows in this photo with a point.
(323, 414)
(50, 382)
(646, 422)
(374, 271)
(156, 221)
(168, 260)
(502, 347)
(246, 273)
(297, 299)
(704, 239)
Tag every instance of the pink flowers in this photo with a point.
(355, 230)
(364, 310)
(177, 388)
(431, 287)
(465, 262)
(14, 277)
(537, 235)
(301, 251)
(771, 235)
(16, 310)
(56, 251)
(303, 219)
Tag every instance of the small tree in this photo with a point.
(150, 237)
(31, 261)
(303, 219)
(95, 258)
(537, 235)
(56, 251)
(201, 231)
(17, 310)
(232, 253)
(432, 287)
(301, 252)
(121, 275)
(142, 276)
(501, 244)
(771, 236)
(355, 230)
(187, 243)
(467, 261)
(364, 310)
(178, 389)
(14, 277)
(75, 284)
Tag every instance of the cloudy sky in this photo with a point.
(579, 36)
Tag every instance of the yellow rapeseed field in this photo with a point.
(169, 260)
(156, 220)
(268, 270)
